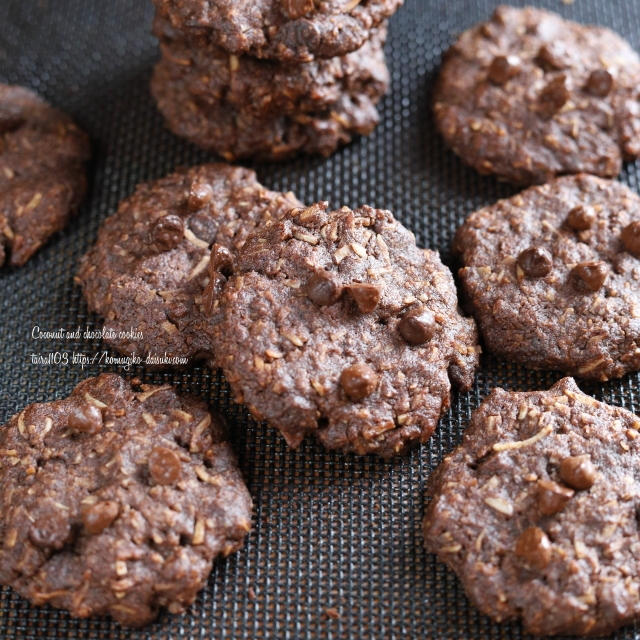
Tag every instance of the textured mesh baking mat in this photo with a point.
(330, 530)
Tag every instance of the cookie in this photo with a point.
(116, 501)
(232, 127)
(286, 30)
(147, 272)
(553, 276)
(537, 511)
(528, 96)
(335, 323)
(267, 88)
(42, 174)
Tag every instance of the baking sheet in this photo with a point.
(330, 530)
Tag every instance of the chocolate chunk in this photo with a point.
(552, 57)
(534, 548)
(503, 68)
(366, 296)
(167, 232)
(553, 97)
(358, 381)
(99, 516)
(536, 262)
(552, 497)
(589, 276)
(164, 466)
(200, 194)
(631, 238)
(600, 83)
(581, 218)
(221, 260)
(322, 289)
(295, 9)
(578, 472)
(417, 326)
(85, 419)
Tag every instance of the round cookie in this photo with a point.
(266, 88)
(151, 262)
(286, 30)
(528, 96)
(42, 175)
(116, 501)
(553, 276)
(337, 324)
(537, 511)
(234, 129)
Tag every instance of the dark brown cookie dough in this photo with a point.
(261, 110)
(529, 95)
(116, 501)
(337, 324)
(287, 30)
(151, 261)
(266, 88)
(42, 175)
(537, 511)
(553, 276)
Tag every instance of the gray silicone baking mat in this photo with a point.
(330, 531)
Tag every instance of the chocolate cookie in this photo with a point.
(265, 88)
(553, 276)
(149, 267)
(116, 501)
(288, 30)
(537, 511)
(228, 121)
(42, 176)
(336, 324)
(529, 95)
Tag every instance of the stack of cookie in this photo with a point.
(272, 78)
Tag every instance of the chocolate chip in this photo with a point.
(553, 97)
(417, 326)
(99, 516)
(322, 289)
(221, 260)
(536, 262)
(578, 472)
(358, 381)
(581, 218)
(503, 68)
(164, 466)
(534, 548)
(51, 530)
(551, 57)
(167, 232)
(366, 296)
(552, 497)
(200, 194)
(589, 276)
(631, 238)
(85, 419)
(599, 83)
(295, 9)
